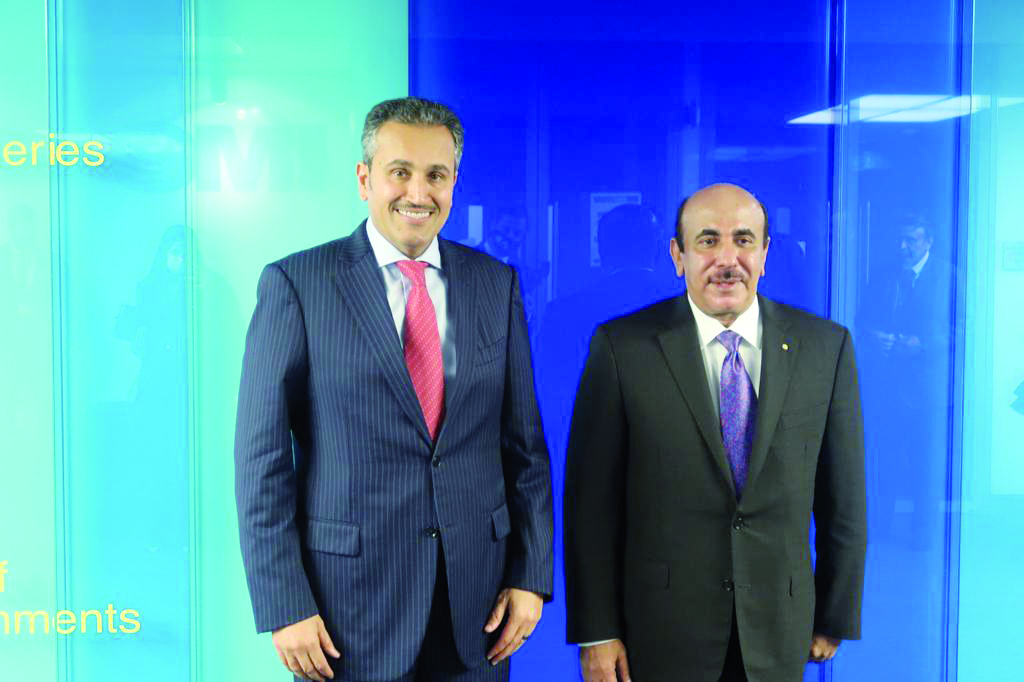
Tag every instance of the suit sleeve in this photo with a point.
(840, 507)
(272, 394)
(526, 466)
(595, 474)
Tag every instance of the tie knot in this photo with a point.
(414, 270)
(729, 339)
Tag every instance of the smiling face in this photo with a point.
(408, 184)
(723, 252)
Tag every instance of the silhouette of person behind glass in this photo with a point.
(629, 242)
(906, 320)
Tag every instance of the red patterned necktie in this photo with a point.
(423, 346)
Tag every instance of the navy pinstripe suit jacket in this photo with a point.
(337, 481)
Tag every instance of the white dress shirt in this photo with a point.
(748, 326)
(399, 287)
(920, 265)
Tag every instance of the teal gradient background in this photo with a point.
(230, 131)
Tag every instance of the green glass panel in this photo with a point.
(27, 522)
(279, 101)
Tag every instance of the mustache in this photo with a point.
(413, 207)
(728, 275)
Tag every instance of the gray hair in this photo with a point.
(410, 111)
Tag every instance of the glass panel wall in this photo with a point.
(229, 136)
(118, 78)
(897, 191)
(584, 131)
(28, 553)
(992, 525)
(279, 102)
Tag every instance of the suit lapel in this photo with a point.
(778, 355)
(681, 346)
(461, 294)
(362, 288)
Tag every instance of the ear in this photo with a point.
(764, 257)
(677, 256)
(363, 176)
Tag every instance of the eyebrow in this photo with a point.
(402, 163)
(739, 232)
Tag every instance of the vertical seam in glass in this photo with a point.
(54, 12)
(412, 87)
(837, 145)
(188, 107)
(964, 23)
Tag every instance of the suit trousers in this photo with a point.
(733, 670)
(438, 660)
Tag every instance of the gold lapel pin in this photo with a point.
(785, 346)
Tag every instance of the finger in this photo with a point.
(507, 635)
(320, 663)
(326, 644)
(497, 613)
(284, 661)
(294, 666)
(622, 665)
(309, 668)
(507, 644)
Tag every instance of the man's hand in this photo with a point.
(601, 662)
(823, 648)
(523, 608)
(301, 647)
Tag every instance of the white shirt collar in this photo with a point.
(747, 324)
(920, 264)
(387, 253)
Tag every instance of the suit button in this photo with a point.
(738, 523)
(727, 585)
(436, 461)
(432, 532)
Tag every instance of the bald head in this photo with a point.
(720, 247)
(721, 196)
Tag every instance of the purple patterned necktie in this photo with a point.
(737, 409)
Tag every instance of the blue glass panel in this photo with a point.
(992, 524)
(897, 235)
(585, 127)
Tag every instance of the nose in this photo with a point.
(417, 191)
(727, 254)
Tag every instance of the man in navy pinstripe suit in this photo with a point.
(392, 480)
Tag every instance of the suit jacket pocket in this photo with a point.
(502, 523)
(333, 537)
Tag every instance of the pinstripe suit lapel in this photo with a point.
(362, 288)
(776, 369)
(462, 292)
(681, 346)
